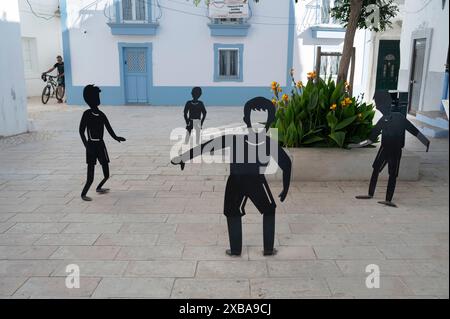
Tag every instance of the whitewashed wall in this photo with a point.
(47, 39)
(430, 17)
(183, 47)
(13, 107)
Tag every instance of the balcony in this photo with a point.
(317, 18)
(229, 18)
(132, 17)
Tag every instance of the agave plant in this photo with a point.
(321, 114)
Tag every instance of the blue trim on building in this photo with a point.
(445, 89)
(229, 30)
(240, 48)
(290, 48)
(178, 95)
(133, 28)
(149, 47)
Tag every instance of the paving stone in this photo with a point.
(161, 268)
(231, 269)
(303, 268)
(92, 228)
(104, 268)
(67, 239)
(8, 285)
(210, 253)
(356, 287)
(37, 228)
(275, 288)
(150, 253)
(26, 252)
(427, 285)
(134, 288)
(284, 253)
(413, 252)
(127, 240)
(27, 268)
(148, 228)
(211, 289)
(347, 252)
(86, 252)
(55, 287)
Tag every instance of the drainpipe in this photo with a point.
(446, 82)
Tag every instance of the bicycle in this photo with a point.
(51, 89)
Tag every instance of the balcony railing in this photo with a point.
(317, 12)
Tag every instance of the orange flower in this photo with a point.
(333, 107)
(285, 97)
(312, 75)
(274, 101)
(300, 84)
(280, 89)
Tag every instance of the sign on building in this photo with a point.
(227, 9)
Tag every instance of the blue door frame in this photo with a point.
(136, 79)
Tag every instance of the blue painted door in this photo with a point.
(136, 75)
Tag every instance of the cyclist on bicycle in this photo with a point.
(59, 65)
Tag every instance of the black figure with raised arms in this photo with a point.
(250, 155)
(392, 127)
(93, 123)
(194, 115)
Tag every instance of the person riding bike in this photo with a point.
(59, 65)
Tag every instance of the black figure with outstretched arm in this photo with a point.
(250, 155)
(94, 121)
(392, 127)
(194, 115)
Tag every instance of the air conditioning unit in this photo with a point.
(228, 9)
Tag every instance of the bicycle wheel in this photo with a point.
(60, 91)
(45, 95)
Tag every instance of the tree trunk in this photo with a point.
(355, 13)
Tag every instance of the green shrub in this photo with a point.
(321, 114)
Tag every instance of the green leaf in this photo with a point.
(332, 120)
(338, 137)
(313, 139)
(346, 122)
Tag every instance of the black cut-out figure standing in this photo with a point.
(392, 127)
(194, 115)
(250, 155)
(93, 122)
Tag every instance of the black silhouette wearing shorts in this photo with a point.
(93, 123)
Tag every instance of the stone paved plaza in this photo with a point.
(160, 232)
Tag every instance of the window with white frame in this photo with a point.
(229, 63)
(135, 10)
(29, 55)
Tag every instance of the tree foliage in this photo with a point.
(376, 15)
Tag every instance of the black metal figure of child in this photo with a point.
(94, 121)
(194, 115)
(250, 155)
(392, 127)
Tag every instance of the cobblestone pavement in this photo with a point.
(160, 233)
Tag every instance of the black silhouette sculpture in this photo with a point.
(94, 121)
(392, 127)
(249, 157)
(194, 115)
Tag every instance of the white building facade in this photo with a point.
(41, 40)
(13, 103)
(154, 52)
(424, 49)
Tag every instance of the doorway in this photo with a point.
(136, 72)
(388, 65)
(415, 84)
